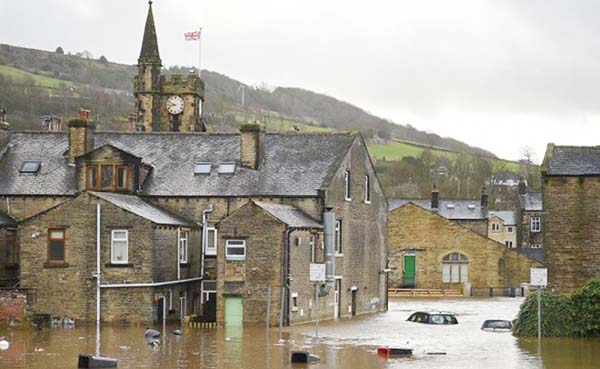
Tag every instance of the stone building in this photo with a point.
(530, 232)
(430, 250)
(571, 198)
(9, 258)
(502, 227)
(202, 179)
(165, 103)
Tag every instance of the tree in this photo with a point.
(103, 59)
(59, 50)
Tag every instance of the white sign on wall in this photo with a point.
(317, 272)
(539, 277)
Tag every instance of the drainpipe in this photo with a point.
(329, 233)
(178, 253)
(98, 275)
(204, 237)
(283, 302)
(8, 211)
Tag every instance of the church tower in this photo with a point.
(165, 104)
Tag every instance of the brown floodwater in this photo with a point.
(347, 343)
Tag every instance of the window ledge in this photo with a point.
(234, 260)
(338, 255)
(118, 265)
(50, 265)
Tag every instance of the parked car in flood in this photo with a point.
(497, 326)
(432, 318)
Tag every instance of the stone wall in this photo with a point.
(571, 231)
(477, 226)
(529, 238)
(364, 237)
(13, 304)
(9, 266)
(21, 207)
(413, 230)
(250, 279)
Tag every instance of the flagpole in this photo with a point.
(200, 53)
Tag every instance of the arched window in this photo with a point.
(455, 268)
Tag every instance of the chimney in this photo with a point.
(484, 198)
(522, 186)
(435, 198)
(249, 149)
(4, 130)
(81, 137)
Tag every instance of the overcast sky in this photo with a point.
(495, 74)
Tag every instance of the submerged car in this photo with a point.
(497, 326)
(433, 318)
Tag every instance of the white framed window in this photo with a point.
(313, 250)
(509, 229)
(509, 244)
(202, 167)
(347, 186)
(367, 189)
(119, 246)
(536, 224)
(227, 168)
(183, 247)
(338, 236)
(211, 241)
(495, 227)
(455, 268)
(235, 250)
(536, 246)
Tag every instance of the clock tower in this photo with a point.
(165, 103)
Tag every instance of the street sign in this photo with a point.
(539, 277)
(317, 272)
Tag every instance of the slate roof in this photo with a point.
(144, 209)
(508, 217)
(572, 160)
(6, 220)
(290, 164)
(289, 215)
(531, 201)
(449, 209)
(535, 254)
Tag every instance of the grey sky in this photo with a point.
(495, 74)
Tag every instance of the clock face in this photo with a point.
(175, 105)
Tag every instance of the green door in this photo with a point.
(410, 270)
(234, 311)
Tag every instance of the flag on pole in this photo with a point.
(192, 36)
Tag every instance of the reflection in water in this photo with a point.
(344, 344)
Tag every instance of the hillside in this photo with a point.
(35, 83)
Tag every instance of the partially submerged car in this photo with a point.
(432, 318)
(497, 326)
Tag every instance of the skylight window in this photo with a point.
(227, 168)
(30, 167)
(202, 168)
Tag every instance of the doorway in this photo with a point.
(182, 305)
(353, 301)
(161, 315)
(337, 301)
(410, 271)
(234, 311)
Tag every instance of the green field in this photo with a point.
(44, 81)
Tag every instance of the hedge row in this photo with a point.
(577, 314)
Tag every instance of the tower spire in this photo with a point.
(149, 52)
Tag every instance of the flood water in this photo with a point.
(347, 343)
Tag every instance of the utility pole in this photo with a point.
(242, 87)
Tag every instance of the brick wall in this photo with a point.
(571, 231)
(431, 237)
(13, 304)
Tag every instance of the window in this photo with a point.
(338, 236)
(30, 167)
(313, 250)
(170, 299)
(183, 247)
(536, 246)
(92, 177)
(298, 241)
(495, 227)
(536, 224)
(347, 185)
(367, 190)
(211, 241)
(455, 268)
(509, 244)
(227, 168)
(119, 247)
(235, 250)
(56, 245)
(106, 177)
(11, 247)
(121, 177)
(509, 229)
(202, 168)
